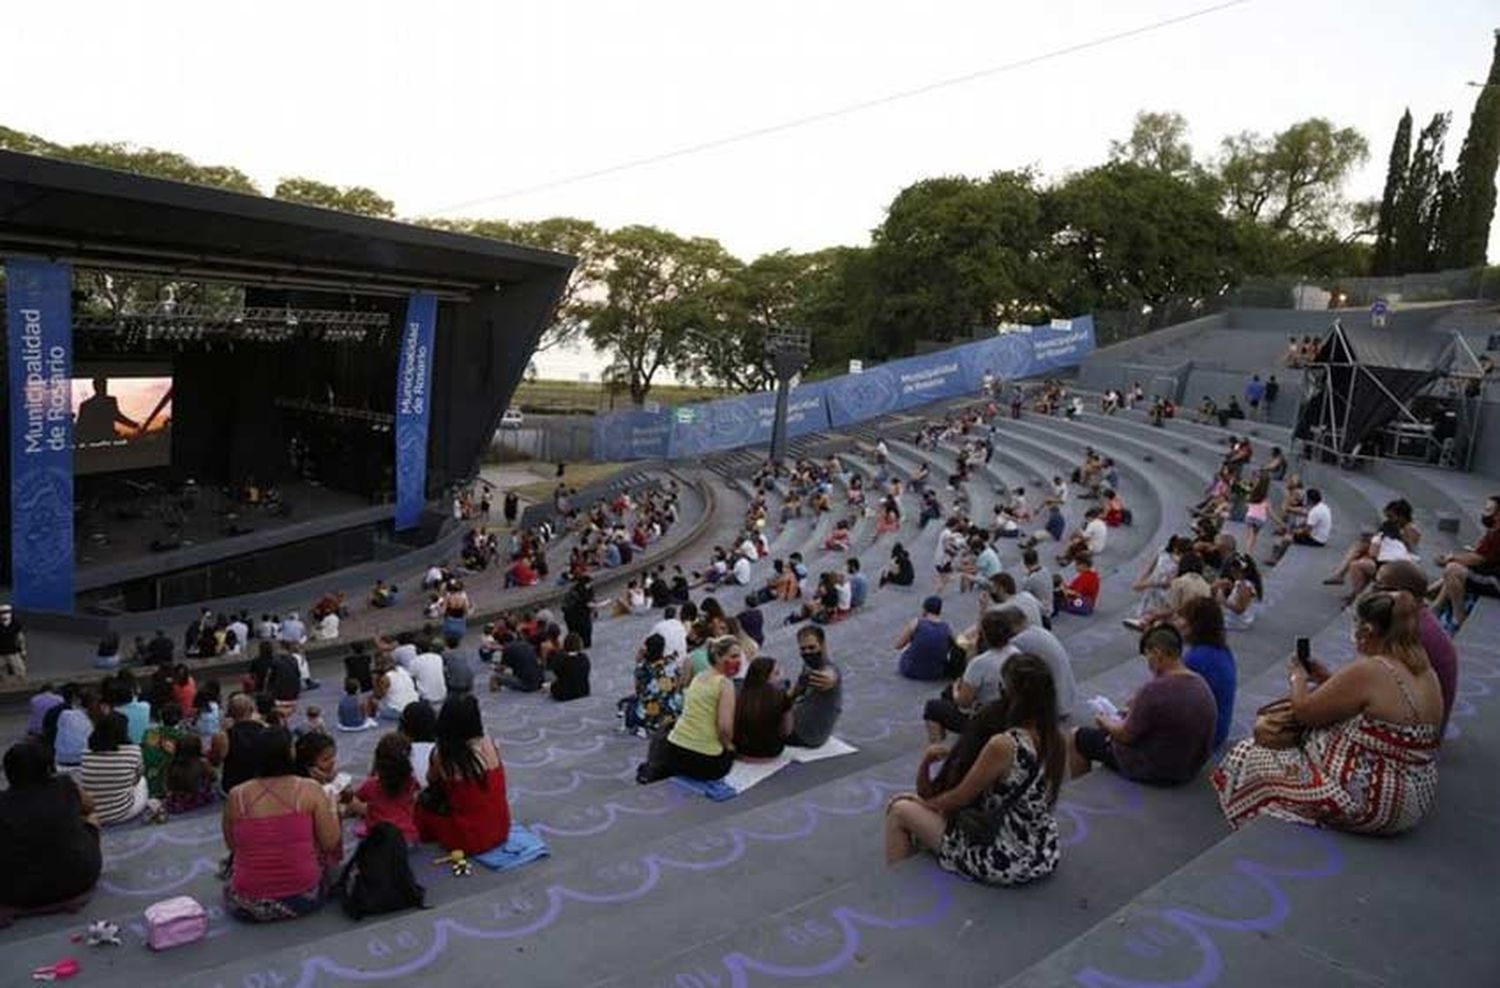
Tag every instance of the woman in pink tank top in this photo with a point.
(283, 836)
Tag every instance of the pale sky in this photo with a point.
(438, 103)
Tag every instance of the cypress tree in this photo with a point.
(1467, 222)
(1415, 212)
(1395, 181)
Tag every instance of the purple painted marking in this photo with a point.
(611, 814)
(157, 837)
(649, 867)
(848, 920)
(199, 866)
(1199, 926)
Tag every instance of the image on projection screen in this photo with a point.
(122, 419)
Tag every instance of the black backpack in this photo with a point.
(378, 879)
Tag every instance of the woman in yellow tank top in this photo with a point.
(701, 745)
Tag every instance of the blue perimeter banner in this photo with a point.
(414, 409)
(39, 326)
(734, 422)
(635, 434)
(730, 423)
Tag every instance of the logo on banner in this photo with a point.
(414, 409)
(40, 331)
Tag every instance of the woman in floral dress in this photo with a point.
(1366, 761)
(988, 813)
(657, 702)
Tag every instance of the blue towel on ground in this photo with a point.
(522, 848)
(717, 790)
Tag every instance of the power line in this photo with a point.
(848, 109)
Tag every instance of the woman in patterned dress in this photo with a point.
(1366, 762)
(657, 701)
(1008, 764)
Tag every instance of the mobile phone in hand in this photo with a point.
(1304, 653)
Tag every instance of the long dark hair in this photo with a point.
(392, 764)
(458, 724)
(1029, 700)
(760, 700)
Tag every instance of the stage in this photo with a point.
(199, 344)
(173, 549)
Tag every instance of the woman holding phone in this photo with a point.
(1366, 759)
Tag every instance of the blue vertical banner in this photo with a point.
(414, 409)
(39, 327)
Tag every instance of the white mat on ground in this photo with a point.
(745, 774)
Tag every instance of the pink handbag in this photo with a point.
(174, 922)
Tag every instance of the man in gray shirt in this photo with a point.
(1045, 645)
(458, 667)
(980, 683)
(1038, 582)
(818, 696)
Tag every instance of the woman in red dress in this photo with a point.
(468, 782)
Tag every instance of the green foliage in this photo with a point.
(1472, 209)
(1415, 229)
(1129, 236)
(1395, 183)
(127, 158)
(659, 292)
(1158, 141)
(954, 254)
(583, 239)
(348, 199)
(1292, 180)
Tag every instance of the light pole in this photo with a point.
(789, 349)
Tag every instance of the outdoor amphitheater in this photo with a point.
(777, 875)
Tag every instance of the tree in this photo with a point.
(1415, 233)
(1293, 180)
(127, 158)
(954, 254)
(1130, 236)
(582, 239)
(1395, 183)
(1472, 210)
(1157, 141)
(348, 199)
(656, 289)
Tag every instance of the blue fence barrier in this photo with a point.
(730, 423)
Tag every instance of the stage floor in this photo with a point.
(120, 529)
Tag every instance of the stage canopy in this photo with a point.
(125, 222)
(1362, 378)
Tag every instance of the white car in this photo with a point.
(511, 419)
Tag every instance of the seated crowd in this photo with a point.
(1354, 748)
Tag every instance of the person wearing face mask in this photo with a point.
(12, 647)
(818, 694)
(1467, 572)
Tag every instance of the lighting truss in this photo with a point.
(179, 322)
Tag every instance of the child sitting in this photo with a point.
(189, 778)
(352, 715)
(206, 716)
(389, 795)
(314, 724)
(157, 746)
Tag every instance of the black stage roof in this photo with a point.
(98, 217)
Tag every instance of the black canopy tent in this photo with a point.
(1362, 380)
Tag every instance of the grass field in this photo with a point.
(592, 396)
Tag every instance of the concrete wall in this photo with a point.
(1487, 452)
(1221, 384)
